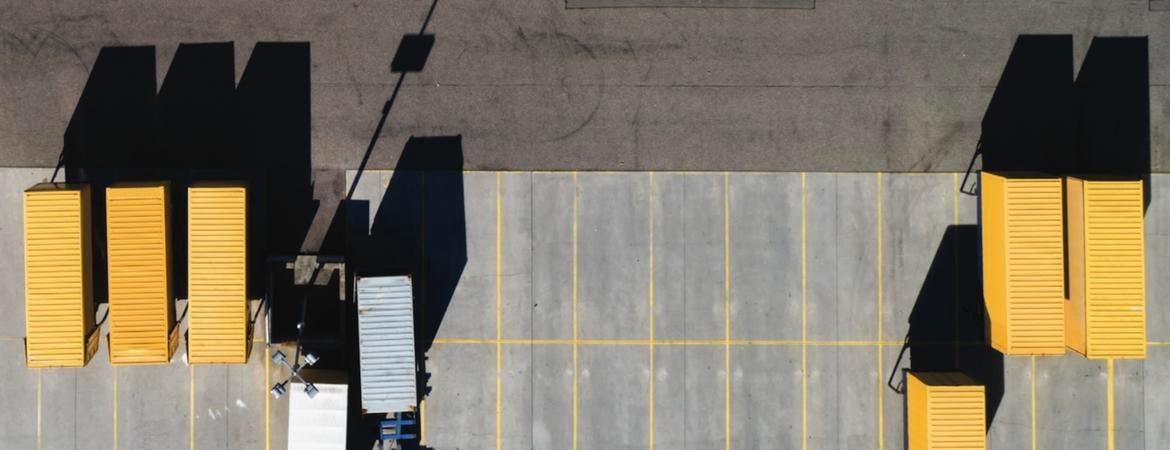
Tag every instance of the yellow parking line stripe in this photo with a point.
(726, 311)
(422, 422)
(574, 299)
(499, 295)
(803, 315)
(1109, 402)
(650, 309)
(880, 419)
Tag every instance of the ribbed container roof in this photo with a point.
(1114, 270)
(217, 277)
(136, 242)
(1034, 262)
(386, 344)
(54, 278)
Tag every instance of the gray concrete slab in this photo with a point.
(461, 406)
(613, 256)
(765, 238)
(1011, 426)
(765, 397)
(1157, 234)
(516, 259)
(552, 255)
(668, 194)
(552, 397)
(1156, 423)
(229, 404)
(516, 397)
(916, 210)
(613, 397)
(1129, 404)
(688, 256)
(152, 403)
(1070, 402)
(704, 401)
(670, 389)
(19, 429)
(471, 313)
(842, 397)
(842, 229)
(701, 216)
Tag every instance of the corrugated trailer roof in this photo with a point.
(142, 314)
(217, 273)
(386, 344)
(1023, 262)
(58, 284)
(1106, 311)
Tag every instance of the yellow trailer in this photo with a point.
(1022, 223)
(217, 273)
(1106, 311)
(945, 410)
(58, 276)
(142, 310)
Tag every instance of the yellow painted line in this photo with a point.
(1109, 401)
(264, 389)
(115, 369)
(574, 299)
(1158, 344)
(191, 407)
(726, 311)
(650, 310)
(39, 438)
(1033, 393)
(880, 262)
(422, 422)
(803, 315)
(499, 314)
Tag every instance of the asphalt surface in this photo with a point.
(851, 85)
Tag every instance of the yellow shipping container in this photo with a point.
(945, 410)
(58, 276)
(217, 273)
(1106, 310)
(142, 310)
(1021, 218)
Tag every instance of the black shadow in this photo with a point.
(1029, 122)
(1113, 94)
(947, 321)
(419, 228)
(110, 132)
(199, 126)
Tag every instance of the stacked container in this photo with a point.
(1023, 262)
(1106, 310)
(142, 312)
(217, 273)
(58, 283)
